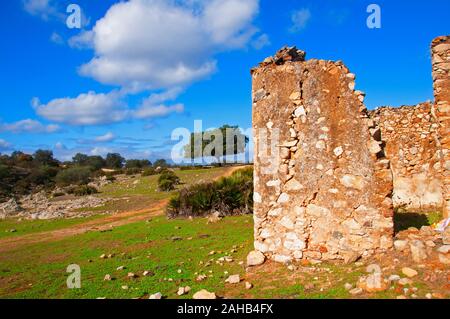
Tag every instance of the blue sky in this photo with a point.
(139, 69)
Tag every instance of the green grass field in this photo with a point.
(39, 271)
(24, 227)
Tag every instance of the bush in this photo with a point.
(73, 175)
(132, 171)
(167, 181)
(229, 195)
(84, 190)
(149, 172)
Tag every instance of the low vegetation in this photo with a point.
(229, 195)
(167, 181)
(23, 174)
(84, 190)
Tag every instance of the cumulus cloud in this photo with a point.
(86, 109)
(300, 19)
(161, 44)
(150, 45)
(29, 126)
(108, 137)
(105, 108)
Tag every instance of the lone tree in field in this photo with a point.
(221, 142)
(114, 160)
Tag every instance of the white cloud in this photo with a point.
(161, 44)
(151, 111)
(42, 8)
(147, 45)
(300, 19)
(261, 41)
(82, 40)
(28, 126)
(108, 137)
(86, 109)
(104, 108)
(4, 145)
(51, 10)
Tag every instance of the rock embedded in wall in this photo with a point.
(322, 183)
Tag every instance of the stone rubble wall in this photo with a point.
(411, 138)
(330, 196)
(440, 50)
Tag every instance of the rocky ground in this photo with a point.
(43, 205)
(417, 268)
(40, 206)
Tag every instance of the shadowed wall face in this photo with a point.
(322, 184)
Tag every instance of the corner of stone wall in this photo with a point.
(440, 50)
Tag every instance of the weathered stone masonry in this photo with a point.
(339, 168)
(412, 146)
(418, 139)
(330, 198)
(440, 48)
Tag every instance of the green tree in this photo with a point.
(96, 162)
(80, 159)
(223, 141)
(44, 158)
(161, 163)
(135, 163)
(114, 160)
(74, 176)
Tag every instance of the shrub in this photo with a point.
(73, 175)
(132, 171)
(149, 172)
(167, 181)
(229, 195)
(84, 190)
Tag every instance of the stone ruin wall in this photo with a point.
(330, 197)
(440, 48)
(339, 168)
(412, 146)
(418, 140)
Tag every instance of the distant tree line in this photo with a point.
(22, 173)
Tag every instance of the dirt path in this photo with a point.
(103, 223)
(99, 224)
